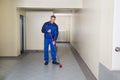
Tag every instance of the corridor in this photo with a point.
(30, 66)
(89, 39)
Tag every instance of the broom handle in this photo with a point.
(51, 36)
(60, 65)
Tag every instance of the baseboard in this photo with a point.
(23, 53)
(87, 72)
(12, 57)
(33, 51)
(62, 42)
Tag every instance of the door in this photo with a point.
(116, 37)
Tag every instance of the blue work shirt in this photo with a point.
(54, 30)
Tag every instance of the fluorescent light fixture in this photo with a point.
(63, 14)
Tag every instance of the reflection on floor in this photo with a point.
(31, 67)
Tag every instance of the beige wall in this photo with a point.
(8, 30)
(49, 3)
(86, 33)
(92, 33)
(106, 32)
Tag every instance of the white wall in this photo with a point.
(34, 23)
(86, 38)
(92, 33)
(49, 3)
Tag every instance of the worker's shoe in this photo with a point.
(46, 63)
(55, 62)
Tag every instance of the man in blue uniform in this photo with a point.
(50, 30)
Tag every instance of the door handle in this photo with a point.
(117, 49)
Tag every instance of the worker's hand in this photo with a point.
(49, 31)
(53, 42)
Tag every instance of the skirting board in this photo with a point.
(87, 72)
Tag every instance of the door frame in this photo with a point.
(22, 35)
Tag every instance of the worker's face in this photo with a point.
(52, 19)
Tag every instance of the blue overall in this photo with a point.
(48, 41)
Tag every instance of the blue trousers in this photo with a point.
(48, 42)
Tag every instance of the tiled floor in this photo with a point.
(31, 67)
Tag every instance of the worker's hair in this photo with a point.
(53, 16)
